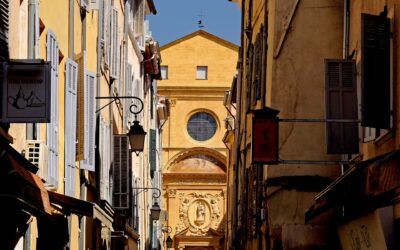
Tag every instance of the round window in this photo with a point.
(202, 126)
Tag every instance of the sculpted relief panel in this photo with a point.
(200, 211)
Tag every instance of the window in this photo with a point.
(164, 72)
(202, 73)
(202, 126)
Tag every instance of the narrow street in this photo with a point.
(199, 125)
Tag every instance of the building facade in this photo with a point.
(196, 72)
(85, 178)
(277, 147)
(315, 127)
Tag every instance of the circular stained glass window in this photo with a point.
(202, 126)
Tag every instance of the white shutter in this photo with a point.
(90, 122)
(114, 71)
(105, 160)
(52, 127)
(128, 88)
(106, 32)
(71, 79)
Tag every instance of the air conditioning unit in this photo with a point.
(229, 123)
(162, 112)
(85, 4)
(37, 153)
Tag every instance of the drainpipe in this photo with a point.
(71, 24)
(346, 28)
(32, 52)
(83, 173)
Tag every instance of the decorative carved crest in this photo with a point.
(200, 211)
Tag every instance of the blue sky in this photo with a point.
(178, 18)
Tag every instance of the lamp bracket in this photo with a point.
(136, 104)
(145, 189)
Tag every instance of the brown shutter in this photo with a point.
(375, 71)
(121, 172)
(249, 71)
(341, 103)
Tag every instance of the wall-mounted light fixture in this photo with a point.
(136, 133)
(155, 210)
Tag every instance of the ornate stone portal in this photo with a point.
(199, 211)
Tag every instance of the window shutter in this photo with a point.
(106, 33)
(128, 88)
(80, 127)
(121, 172)
(249, 70)
(104, 144)
(52, 127)
(341, 103)
(71, 79)
(4, 53)
(90, 123)
(114, 69)
(375, 71)
(153, 152)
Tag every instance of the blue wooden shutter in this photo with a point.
(375, 71)
(153, 152)
(341, 103)
(52, 127)
(71, 78)
(90, 123)
(121, 172)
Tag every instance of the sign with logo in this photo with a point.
(265, 141)
(26, 91)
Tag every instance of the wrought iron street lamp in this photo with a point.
(136, 133)
(168, 241)
(155, 210)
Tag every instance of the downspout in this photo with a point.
(83, 173)
(32, 52)
(346, 28)
(71, 24)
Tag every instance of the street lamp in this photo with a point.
(155, 210)
(168, 241)
(136, 133)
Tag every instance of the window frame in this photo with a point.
(191, 116)
(164, 71)
(197, 72)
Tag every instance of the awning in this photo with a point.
(70, 205)
(364, 187)
(17, 182)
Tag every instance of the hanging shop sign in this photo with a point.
(26, 91)
(265, 136)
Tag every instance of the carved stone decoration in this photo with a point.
(171, 193)
(199, 211)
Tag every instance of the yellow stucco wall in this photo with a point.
(185, 190)
(188, 95)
